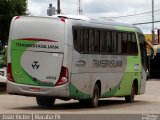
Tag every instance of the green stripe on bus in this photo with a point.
(124, 87)
(125, 28)
(76, 93)
(19, 74)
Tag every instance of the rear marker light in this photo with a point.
(63, 76)
(63, 20)
(35, 89)
(17, 17)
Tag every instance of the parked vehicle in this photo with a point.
(3, 75)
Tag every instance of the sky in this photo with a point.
(104, 9)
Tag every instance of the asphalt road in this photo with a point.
(149, 103)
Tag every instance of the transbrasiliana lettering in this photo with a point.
(107, 63)
(37, 46)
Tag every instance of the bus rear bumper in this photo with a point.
(61, 91)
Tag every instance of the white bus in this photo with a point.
(75, 58)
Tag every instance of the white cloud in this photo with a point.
(102, 8)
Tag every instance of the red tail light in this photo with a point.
(63, 76)
(34, 89)
(17, 17)
(62, 19)
(9, 72)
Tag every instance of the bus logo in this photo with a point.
(35, 65)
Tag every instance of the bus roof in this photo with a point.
(83, 19)
(99, 21)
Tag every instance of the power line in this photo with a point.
(157, 14)
(146, 22)
(131, 15)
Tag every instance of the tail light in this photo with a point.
(63, 76)
(63, 20)
(9, 72)
(17, 17)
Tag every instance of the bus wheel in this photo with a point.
(45, 101)
(93, 102)
(130, 98)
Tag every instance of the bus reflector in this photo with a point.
(35, 89)
(9, 72)
(63, 76)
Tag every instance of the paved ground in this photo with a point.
(148, 103)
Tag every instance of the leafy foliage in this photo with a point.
(3, 58)
(8, 9)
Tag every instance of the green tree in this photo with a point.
(9, 9)
(3, 58)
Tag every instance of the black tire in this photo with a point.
(130, 98)
(93, 102)
(45, 101)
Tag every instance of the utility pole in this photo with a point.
(153, 34)
(153, 41)
(58, 7)
(79, 10)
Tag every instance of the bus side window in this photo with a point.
(96, 43)
(81, 40)
(114, 42)
(129, 43)
(124, 43)
(119, 38)
(108, 39)
(134, 45)
(85, 41)
(76, 39)
(102, 42)
(91, 40)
